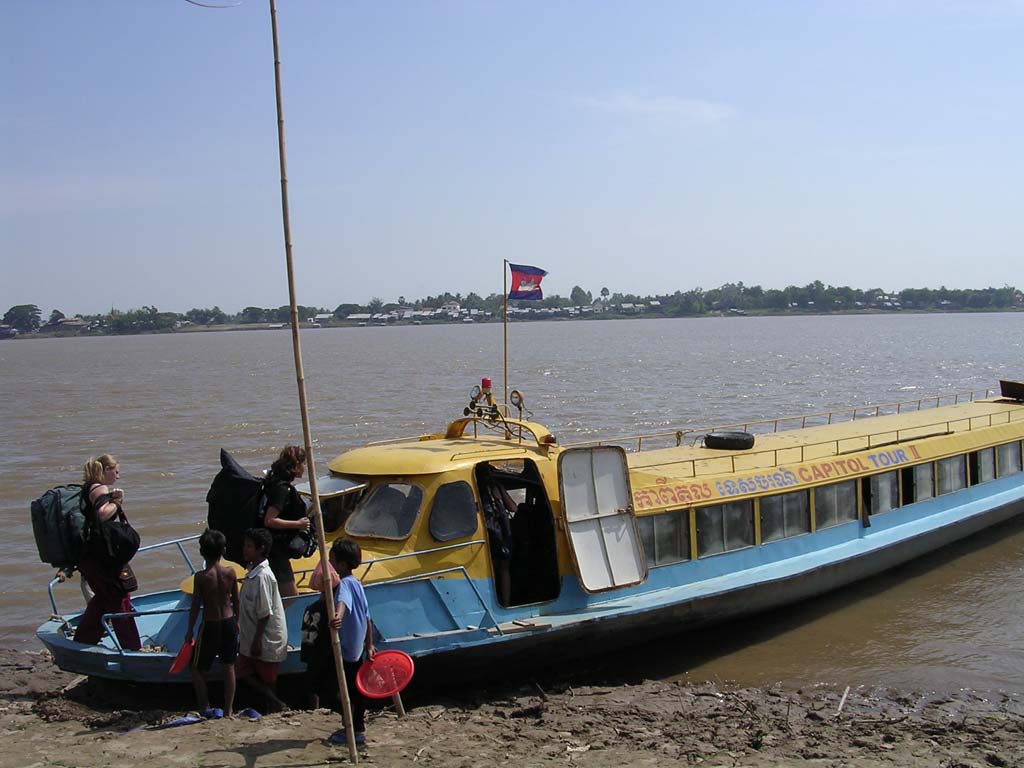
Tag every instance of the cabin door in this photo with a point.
(598, 506)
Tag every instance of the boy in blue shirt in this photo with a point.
(352, 618)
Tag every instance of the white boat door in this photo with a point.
(597, 503)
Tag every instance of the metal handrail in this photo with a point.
(430, 575)
(147, 548)
(932, 401)
(105, 619)
(778, 424)
(370, 563)
(941, 428)
(420, 576)
(402, 555)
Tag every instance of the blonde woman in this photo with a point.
(101, 567)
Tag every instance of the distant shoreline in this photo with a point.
(495, 321)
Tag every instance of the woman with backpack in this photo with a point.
(111, 544)
(285, 514)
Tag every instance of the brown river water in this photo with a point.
(164, 405)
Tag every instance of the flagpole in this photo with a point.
(504, 321)
(300, 377)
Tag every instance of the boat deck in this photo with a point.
(812, 442)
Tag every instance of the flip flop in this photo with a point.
(249, 714)
(212, 713)
(340, 739)
(175, 723)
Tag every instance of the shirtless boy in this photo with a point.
(215, 588)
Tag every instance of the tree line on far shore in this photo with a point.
(734, 298)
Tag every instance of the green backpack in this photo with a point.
(60, 526)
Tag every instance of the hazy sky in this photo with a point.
(643, 146)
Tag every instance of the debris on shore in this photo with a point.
(50, 718)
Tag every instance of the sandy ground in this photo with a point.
(49, 718)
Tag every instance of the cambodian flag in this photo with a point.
(526, 282)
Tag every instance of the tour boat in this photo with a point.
(661, 533)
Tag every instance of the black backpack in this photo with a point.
(236, 501)
(60, 526)
(314, 633)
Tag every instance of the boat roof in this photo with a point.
(429, 455)
(811, 442)
(444, 452)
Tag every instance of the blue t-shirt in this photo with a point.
(357, 616)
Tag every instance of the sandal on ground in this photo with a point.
(340, 739)
(212, 713)
(249, 714)
(174, 723)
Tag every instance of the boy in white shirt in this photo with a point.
(263, 635)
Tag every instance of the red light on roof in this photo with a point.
(485, 383)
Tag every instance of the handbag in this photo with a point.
(127, 579)
(296, 544)
(121, 540)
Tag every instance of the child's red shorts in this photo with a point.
(264, 670)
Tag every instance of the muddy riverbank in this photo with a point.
(50, 718)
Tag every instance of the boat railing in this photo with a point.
(500, 422)
(107, 618)
(795, 454)
(426, 575)
(368, 564)
(429, 575)
(148, 548)
(786, 423)
(419, 553)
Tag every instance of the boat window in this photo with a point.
(1008, 457)
(725, 527)
(387, 511)
(785, 515)
(453, 513)
(983, 465)
(666, 538)
(952, 474)
(835, 504)
(336, 510)
(918, 483)
(509, 466)
(882, 492)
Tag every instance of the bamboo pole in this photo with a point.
(504, 321)
(300, 379)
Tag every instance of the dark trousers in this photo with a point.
(322, 681)
(108, 597)
(355, 697)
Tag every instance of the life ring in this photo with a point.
(729, 441)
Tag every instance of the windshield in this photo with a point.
(388, 511)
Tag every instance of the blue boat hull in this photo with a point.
(452, 624)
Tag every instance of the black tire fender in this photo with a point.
(729, 441)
